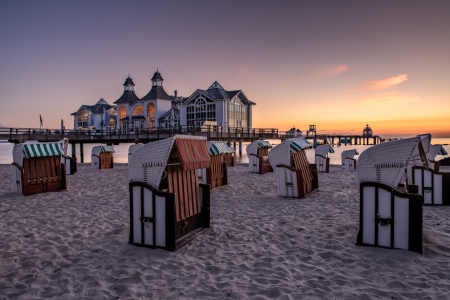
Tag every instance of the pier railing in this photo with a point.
(112, 134)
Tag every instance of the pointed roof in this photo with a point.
(157, 76)
(129, 81)
(216, 85)
(157, 92)
(169, 112)
(127, 96)
(97, 108)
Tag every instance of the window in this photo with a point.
(112, 112)
(176, 121)
(83, 119)
(200, 111)
(237, 113)
(138, 110)
(151, 116)
(122, 114)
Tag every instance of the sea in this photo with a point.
(121, 151)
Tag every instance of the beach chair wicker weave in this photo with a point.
(37, 167)
(102, 157)
(431, 155)
(131, 150)
(168, 205)
(217, 175)
(390, 216)
(296, 177)
(321, 158)
(348, 160)
(258, 161)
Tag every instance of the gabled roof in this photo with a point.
(175, 112)
(127, 96)
(217, 92)
(157, 92)
(215, 85)
(95, 109)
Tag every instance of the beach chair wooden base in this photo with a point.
(217, 175)
(294, 183)
(350, 164)
(433, 185)
(389, 218)
(434, 165)
(39, 175)
(104, 161)
(229, 159)
(323, 163)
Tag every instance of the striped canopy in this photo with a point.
(42, 149)
(193, 153)
(442, 151)
(298, 144)
(264, 144)
(107, 149)
(331, 150)
(219, 148)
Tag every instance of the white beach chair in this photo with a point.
(296, 177)
(258, 161)
(432, 185)
(70, 163)
(390, 216)
(321, 158)
(348, 160)
(102, 157)
(37, 167)
(131, 150)
(217, 175)
(168, 206)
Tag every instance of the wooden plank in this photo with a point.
(181, 193)
(193, 194)
(189, 192)
(52, 164)
(25, 172)
(47, 167)
(43, 170)
(170, 183)
(196, 192)
(38, 170)
(177, 193)
(58, 167)
(32, 170)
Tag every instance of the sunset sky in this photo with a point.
(337, 64)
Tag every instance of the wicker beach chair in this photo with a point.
(131, 150)
(296, 177)
(390, 215)
(102, 157)
(431, 155)
(321, 158)
(217, 175)
(258, 161)
(168, 205)
(70, 163)
(228, 157)
(37, 168)
(348, 161)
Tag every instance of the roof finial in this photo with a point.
(128, 75)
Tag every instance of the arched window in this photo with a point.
(151, 116)
(112, 112)
(200, 111)
(122, 114)
(237, 113)
(83, 119)
(138, 110)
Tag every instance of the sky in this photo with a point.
(337, 64)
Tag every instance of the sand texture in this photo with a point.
(74, 245)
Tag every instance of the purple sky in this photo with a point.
(300, 61)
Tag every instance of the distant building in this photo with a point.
(214, 106)
(367, 132)
(294, 132)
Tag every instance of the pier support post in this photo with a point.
(74, 150)
(81, 153)
(332, 140)
(240, 147)
(234, 145)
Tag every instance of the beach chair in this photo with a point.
(321, 158)
(296, 177)
(37, 168)
(433, 185)
(258, 161)
(228, 157)
(348, 161)
(391, 214)
(102, 157)
(70, 163)
(217, 175)
(168, 205)
(431, 155)
(131, 150)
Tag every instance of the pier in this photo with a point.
(336, 139)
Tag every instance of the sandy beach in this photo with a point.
(74, 245)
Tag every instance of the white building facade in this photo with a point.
(214, 106)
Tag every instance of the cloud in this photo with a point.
(327, 71)
(385, 83)
(382, 99)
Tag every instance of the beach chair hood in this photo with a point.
(253, 147)
(133, 148)
(216, 148)
(36, 149)
(348, 154)
(436, 150)
(281, 153)
(386, 163)
(99, 149)
(148, 163)
(323, 150)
